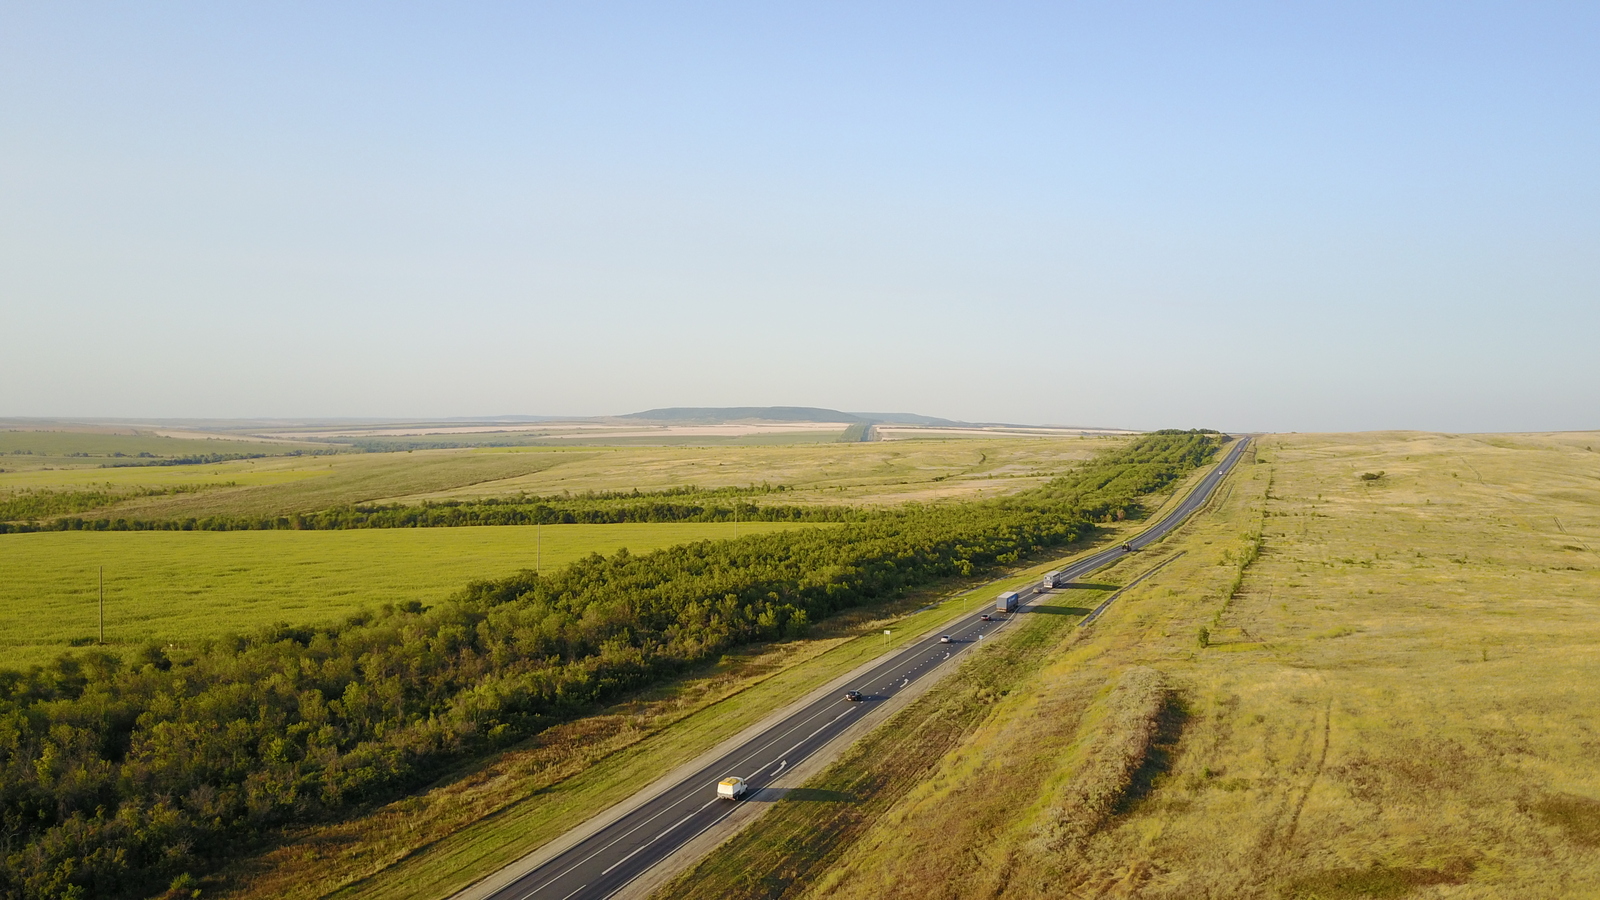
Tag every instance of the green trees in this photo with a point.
(119, 777)
(591, 509)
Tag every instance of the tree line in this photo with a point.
(124, 777)
(589, 508)
(38, 503)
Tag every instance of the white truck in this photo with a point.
(732, 788)
(1052, 580)
(1007, 601)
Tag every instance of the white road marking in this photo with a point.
(674, 825)
(666, 809)
(709, 825)
(818, 731)
(658, 837)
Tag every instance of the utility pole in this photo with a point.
(102, 604)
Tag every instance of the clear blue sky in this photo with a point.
(1243, 216)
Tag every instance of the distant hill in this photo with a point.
(903, 419)
(716, 415)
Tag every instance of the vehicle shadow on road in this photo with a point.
(812, 795)
(1088, 586)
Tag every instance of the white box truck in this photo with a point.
(1007, 601)
(732, 788)
(1052, 580)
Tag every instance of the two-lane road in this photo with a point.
(606, 861)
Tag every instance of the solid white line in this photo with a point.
(641, 848)
(710, 824)
(817, 732)
(718, 818)
(574, 893)
(796, 727)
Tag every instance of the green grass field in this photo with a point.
(174, 587)
(28, 448)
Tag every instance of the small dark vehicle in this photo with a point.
(853, 696)
(986, 617)
(1128, 547)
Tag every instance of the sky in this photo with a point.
(1268, 216)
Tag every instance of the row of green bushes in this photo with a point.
(41, 503)
(597, 508)
(118, 778)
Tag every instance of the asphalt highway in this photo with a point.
(609, 859)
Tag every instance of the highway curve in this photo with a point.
(609, 859)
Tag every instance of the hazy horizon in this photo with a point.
(1242, 217)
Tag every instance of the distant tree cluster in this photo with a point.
(120, 778)
(39, 503)
(200, 459)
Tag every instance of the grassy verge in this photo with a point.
(174, 587)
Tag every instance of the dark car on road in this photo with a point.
(853, 696)
(986, 617)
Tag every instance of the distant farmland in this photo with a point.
(861, 473)
(175, 586)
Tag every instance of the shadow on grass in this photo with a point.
(1169, 728)
(1376, 881)
(809, 795)
(1061, 610)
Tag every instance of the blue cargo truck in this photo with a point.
(1007, 601)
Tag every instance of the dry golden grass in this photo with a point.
(1399, 700)
(873, 472)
